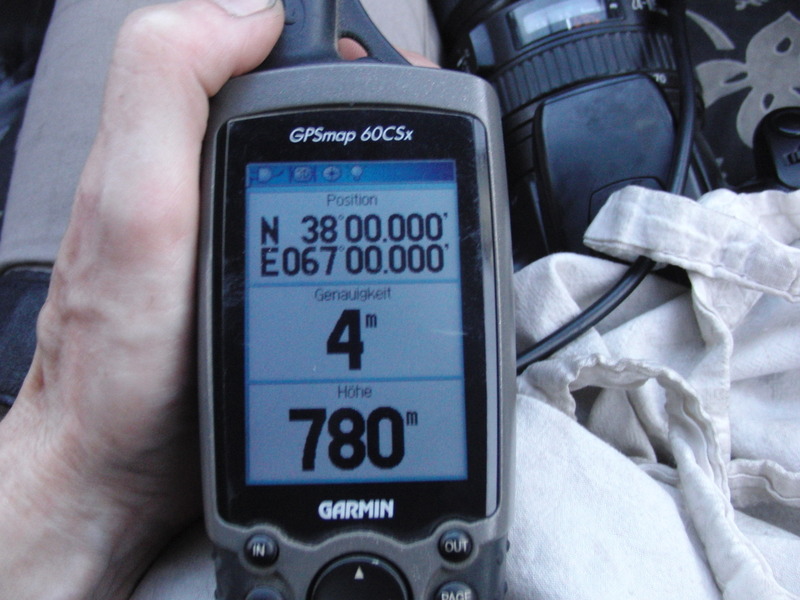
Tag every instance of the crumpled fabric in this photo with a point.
(658, 455)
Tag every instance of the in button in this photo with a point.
(261, 550)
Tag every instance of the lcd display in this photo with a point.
(354, 344)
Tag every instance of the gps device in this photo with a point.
(355, 341)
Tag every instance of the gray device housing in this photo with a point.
(364, 84)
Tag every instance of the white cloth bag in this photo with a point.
(673, 470)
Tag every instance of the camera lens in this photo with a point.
(588, 91)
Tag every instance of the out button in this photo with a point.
(455, 545)
(359, 578)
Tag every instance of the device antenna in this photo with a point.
(313, 28)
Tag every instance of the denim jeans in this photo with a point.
(22, 294)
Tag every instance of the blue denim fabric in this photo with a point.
(22, 294)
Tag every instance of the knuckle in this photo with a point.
(147, 26)
(160, 32)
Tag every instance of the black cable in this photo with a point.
(640, 268)
(688, 97)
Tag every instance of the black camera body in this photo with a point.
(589, 91)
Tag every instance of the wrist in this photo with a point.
(64, 535)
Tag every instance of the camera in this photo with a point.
(590, 95)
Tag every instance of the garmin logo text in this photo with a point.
(356, 509)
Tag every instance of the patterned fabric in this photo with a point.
(747, 59)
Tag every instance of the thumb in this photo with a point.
(127, 259)
(168, 53)
(168, 60)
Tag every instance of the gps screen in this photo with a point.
(354, 343)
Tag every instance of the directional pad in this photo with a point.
(359, 578)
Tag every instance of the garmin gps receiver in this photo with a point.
(356, 355)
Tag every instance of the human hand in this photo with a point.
(98, 454)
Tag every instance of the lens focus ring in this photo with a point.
(590, 57)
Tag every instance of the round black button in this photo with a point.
(455, 590)
(455, 545)
(359, 578)
(264, 593)
(261, 550)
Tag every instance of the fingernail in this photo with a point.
(244, 8)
